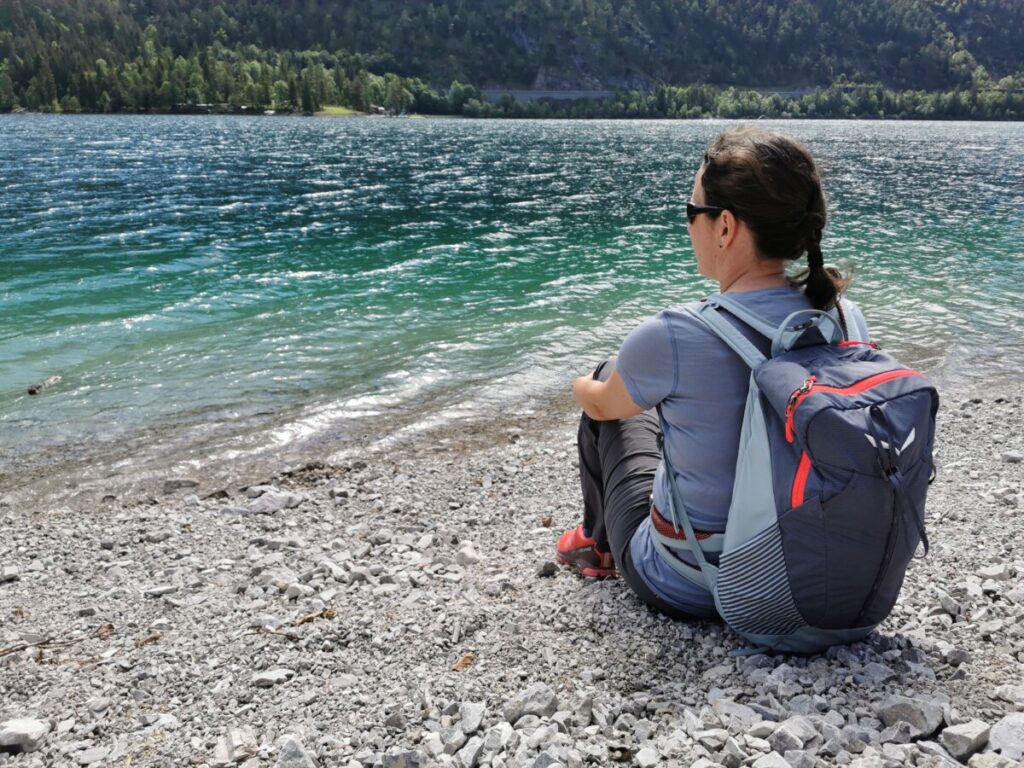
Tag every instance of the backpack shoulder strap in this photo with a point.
(740, 311)
(728, 333)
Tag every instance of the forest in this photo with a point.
(657, 58)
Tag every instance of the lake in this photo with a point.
(227, 287)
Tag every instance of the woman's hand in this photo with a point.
(604, 400)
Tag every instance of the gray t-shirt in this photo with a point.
(675, 360)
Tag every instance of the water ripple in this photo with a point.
(197, 274)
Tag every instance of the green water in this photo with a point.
(230, 286)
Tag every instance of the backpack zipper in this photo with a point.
(810, 386)
(801, 393)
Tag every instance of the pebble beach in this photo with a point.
(403, 609)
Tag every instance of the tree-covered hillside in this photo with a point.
(150, 54)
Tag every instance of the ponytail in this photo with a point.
(823, 285)
(771, 183)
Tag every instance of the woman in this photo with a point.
(756, 205)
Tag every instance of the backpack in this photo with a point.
(827, 510)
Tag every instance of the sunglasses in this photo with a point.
(693, 210)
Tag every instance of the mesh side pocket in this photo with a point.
(753, 587)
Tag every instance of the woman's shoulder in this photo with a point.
(773, 305)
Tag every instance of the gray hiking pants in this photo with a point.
(618, 460)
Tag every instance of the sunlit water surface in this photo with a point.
(225, 287)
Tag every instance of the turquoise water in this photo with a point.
(226, 286)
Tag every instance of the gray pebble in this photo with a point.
(924, 716)
(537, 700)
(292, 754)
(965, 739)
(25, 733)
(272, 677)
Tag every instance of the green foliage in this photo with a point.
(666, 58)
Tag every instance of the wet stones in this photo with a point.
(175, 484)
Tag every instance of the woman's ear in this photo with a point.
(727, 226)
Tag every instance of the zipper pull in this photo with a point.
(794, 400)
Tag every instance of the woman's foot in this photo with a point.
(580, 551)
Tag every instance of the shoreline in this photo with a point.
(233, 454)
(418, 116)
(398, 609)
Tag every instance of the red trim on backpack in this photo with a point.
(800, 480)
(857, 343)
(809, 387)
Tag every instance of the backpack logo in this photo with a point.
(885, 446)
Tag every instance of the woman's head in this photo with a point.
(770, 183)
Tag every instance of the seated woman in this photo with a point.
(756, 205)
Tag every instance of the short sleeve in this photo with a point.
(647, 363)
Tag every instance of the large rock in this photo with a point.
(1007, 736)
(537, 700)
(923, 716)
(23, 733)
(965, 739)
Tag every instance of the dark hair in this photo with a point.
(771, 183)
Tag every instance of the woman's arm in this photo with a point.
(604, 400)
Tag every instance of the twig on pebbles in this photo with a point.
(265, 631)
(49, 644)
(152, 638)
(326, 613)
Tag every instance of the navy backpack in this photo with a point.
(828, 505)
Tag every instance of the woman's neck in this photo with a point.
(755, 281)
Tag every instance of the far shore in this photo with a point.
(346, 113)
